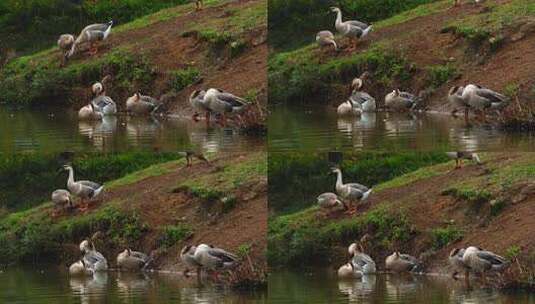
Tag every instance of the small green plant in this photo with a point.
(237, 47)
(512, 252)
(205, 193)
(443, 236)
(243, 250)
(497, 207)
(475, 197)
(173, 234)
(440, 74)
(229, 202)
(511, 90)
(183, 78)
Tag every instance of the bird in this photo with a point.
(351, 191)
(92, 34)
(142, 104)
(80, 268)
(457, 101)
(215, 259)
(482, 261)
(224, 103)
(187, 255)
(132, 260)
(88, 112)
(92, 258)
(65, 43)
(348, 271)
(189, 157)
(352, 29)
(61, 198)
(84, 189)
(197, 102)
(329, 201)
(401, 262)
(349, 108)
(400, 101)
(480, 98)
(365, 101)
(104, 105)
(460, 155)
(360, 260)
(455, 259)
(324, 38)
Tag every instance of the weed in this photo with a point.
(444, 236)
(183, 78)
(173, 234)
(497, 206)
(440, 74)
(243, 250)
(512, 252)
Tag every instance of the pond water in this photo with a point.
(51, 285)
(319, 128)
(57, 130)
(324, 287)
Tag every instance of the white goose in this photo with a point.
(482, 261)
(215, 259)
(84, 189)
(481, 98)
(457, 101)
(223, 102)
(361, 261)
(105, 105)
(132, 260)
(187, 255)
(88, 112)
(324, 38)
(61, 198)
(92, 34)
(351, 191)
(455, 259)
(80, 268)
(348, 108)
(329, 201)
(348, 271)
(142, 104)
(94, 259)
(400, 101)
(197, 102)
(65, 43)
(401, 262)
(352, 29)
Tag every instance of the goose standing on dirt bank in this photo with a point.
(223, 102)
(94, 259)
(65, 43)
(351, 28)
(187, 255)
(329, 201)
(481, 98)
(361, 261)
(142, 104)
(482, 261)
(61, 198)
(92, 34)
(349, 107)
(215, 259)
(197, 102)
(88, 112)
(400, 101)
(132, 260)
(459, 156)
(456, 261)
(455, 97)
(80, 268)
(401, 262)
(325, 38)
(351, 191)
(84, 189)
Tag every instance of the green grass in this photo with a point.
(181, 79)
(440, 74)
(444, 236)
(173, 234)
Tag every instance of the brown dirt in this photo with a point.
(158, 203)
(167, 49)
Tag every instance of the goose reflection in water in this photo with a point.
(358, 289)
(402, 285)
(402, 123)
(358, 127)
(134, 283)
(91, 289)
(98, 131)
(140, 128)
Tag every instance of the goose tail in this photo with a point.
(108, 30)
(98, 191)
(366, 194)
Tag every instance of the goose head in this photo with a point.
(97, 88)
(196, 94)
(356, 84)
(67, 168)
(335, 9)
(453, 90)
(454, 252)
(187, 249)
(85, 246)
(335, 170)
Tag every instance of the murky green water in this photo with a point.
(324, 287)
(320, 128)
(59, 130)
(53, 285)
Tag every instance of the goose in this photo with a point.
(348, 271)
(365, 101)
(324, 38)
(84, 189)
(215, 259)
(61, 198)
(349, 108)
(481, 98)
(459, 156)
(482, 261)
(132, 260)
(223, 102)
(142, 104)
(352, 29)
(197, 102)
(401, 262)
(92, 34)
(80, 268)
(457, 101)
(65, 43)
(351, 191)
(94, 259)
(330, 201)
(455, 259)
(361, 261)
(399, 101)
(97, 88)
(104, 104)
(187, 255)
(88, 112)
(189, 155)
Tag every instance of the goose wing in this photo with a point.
(490, 94)
(492, 258)
(358, 24)
(231, 99)
(358, 187)
(90, 184)
(222, 255)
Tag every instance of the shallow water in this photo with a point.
(320, 128)
(51, 285)
(58, 130)
(323, 286)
